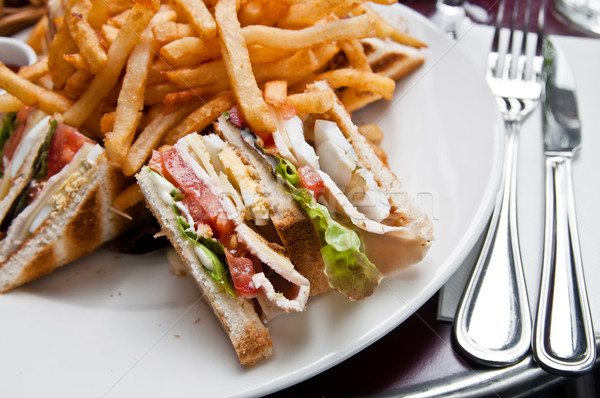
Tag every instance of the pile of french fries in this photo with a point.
(139, 74)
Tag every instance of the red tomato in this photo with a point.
(236, 117)
(63, 147)
(310, 179)
(11, 144)
(241, 270)
(156, 162)
(204, 206)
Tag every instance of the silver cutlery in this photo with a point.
(493, 321)
(563, 341)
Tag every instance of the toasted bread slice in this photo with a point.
(249, 336)
(78, 221)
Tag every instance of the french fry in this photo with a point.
(38, 39)
(276, 92)
(293, 68)
(201, 117)
(385, 29)
(84, 35)
(119, 19)
(31, 94)
(199, 17)
(150, 137)
(261, 55)
(356, 55)
(175, 100)
(109, 33)
(156, 93)
(78, 61)
(8, 103)
(78, 82)
(371, 132)
(128, 37)
(312, 102)
(360, 80)
(239, 69)
(344, 29)
(189, 51)
(354, 99)
(305, 13)
(61, 44)
(99, 13)
(262, 12)
(35, 71)
(130, 103)
(172, 31)
(129, 197)
(107, 123)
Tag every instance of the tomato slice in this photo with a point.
(241, 270)
(204, 206)
(310, 179)
(10, 146)
(63, 147)
(236, 117)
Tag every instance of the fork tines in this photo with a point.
(509, 58)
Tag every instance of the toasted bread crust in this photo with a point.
(295, 230)
(250, 338)
(72, 232)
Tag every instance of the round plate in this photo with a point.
(121, 325)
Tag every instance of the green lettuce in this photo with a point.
(348, 269)
(40, 167)
(210, 247)
(9, 125)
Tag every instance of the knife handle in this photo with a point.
(563, 340)
(493, 322)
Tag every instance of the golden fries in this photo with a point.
(345, 29)
(137, 74)
(201, 117)
(312, 102)
(129, 197)
(361, 80)
(31, 94)
(150, 137)
(276, 92)
(8, 103)
(199, 17)
(128, 37)
(84, 35)
(239, 69)
(304, 13)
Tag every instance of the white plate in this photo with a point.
(121, 325)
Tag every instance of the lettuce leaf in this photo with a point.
(40, 167)
(213, 250)
(348, 269)
(9, 125)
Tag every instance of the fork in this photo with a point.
(493, 321)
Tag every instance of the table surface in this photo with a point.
(422, 352)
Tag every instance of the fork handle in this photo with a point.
(563, 342)
(493, 321)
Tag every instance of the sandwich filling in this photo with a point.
(348, 207)
(58, 172)
(210, 211)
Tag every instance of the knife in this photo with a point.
(563, 338)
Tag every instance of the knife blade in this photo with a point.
(563, 340)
